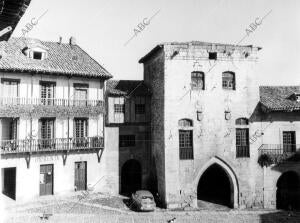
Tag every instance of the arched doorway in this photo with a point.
(131, 177)
(288, 191)
(215, 186)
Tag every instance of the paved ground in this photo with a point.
(102, 209)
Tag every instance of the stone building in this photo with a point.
(52, 120)
(128, 123)
(208, 126)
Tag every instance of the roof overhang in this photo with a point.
(11, 11)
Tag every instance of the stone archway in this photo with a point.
(131, 177)
(288, 191)
(211, 177)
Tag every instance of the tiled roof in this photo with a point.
(127, 88)
(62, 59)
(11, 12)
(279, 98)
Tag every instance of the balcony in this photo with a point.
(49, 107)
(50, 145)
(280, 152)
(50, 102)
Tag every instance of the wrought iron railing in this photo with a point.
(56, 144)
(280, 152)
(49, 102)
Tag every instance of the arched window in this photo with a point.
(185, 123)
(242, 121)
(185, 139)
(228, 80)
(197, 80)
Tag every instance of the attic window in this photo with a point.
(37, 55)
(212, 55)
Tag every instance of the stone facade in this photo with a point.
(213, 111)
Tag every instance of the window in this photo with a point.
(289, 141)
(37, 55)
(10, 88)
(228, 80)
(47, 92)
(80, 94)
(127, 140)
(119, 108)
(198, 81)
(242, 121)
(185, 123)
(242, 142)
(81, 126)
(186, 144)
(212, 55)
(46, 133)
(140, 109)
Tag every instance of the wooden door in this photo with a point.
(46, 179)
(80, 175)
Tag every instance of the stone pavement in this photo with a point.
(103, 209)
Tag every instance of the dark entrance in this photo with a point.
(288, 191)
(9, 182)
(215, 186)
(131, 177)
(80, 175)
(46, 179)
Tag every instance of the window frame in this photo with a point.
(197, 78)
(227, 80)
(242, 148)
(127, 140)
(119, 108)
(186, 144)
(140, 109)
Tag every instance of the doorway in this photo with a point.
(80, 175)
(131, 177)
(46, 179)
(9, 182)
(215, 186)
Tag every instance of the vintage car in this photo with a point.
(143, 200)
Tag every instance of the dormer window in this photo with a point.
(36, 52)
(295, 97)
(37, 55)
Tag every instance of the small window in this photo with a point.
(228, 80)
(127, 140)
(185, 123)
(186, 144)
(139, 109)
(242, 121)
(289, 141)
(198, 81)
(119, 108)
(297, 97)
(242, 143)
(37, 55)
(212, 55)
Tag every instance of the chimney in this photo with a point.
(60, 40)
(72, 41)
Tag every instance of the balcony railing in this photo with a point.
(280, 152)
(50, 102)
(48, 145)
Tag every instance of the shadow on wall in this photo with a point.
(280, 217)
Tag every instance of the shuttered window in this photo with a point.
(47, 92)
(47, 128)
(10, 88)
(81, 126)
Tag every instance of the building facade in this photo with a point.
(128, 118)
(52, 120)
(205, 113)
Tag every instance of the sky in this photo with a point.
(108, 30)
